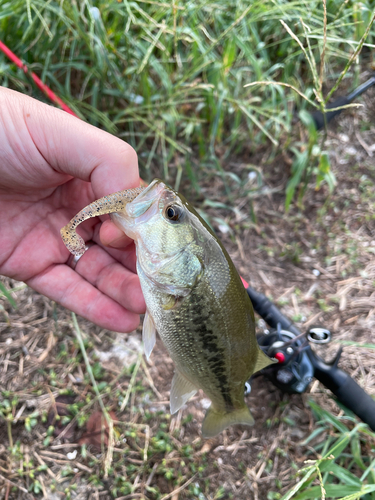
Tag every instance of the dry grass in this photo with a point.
(317, 263)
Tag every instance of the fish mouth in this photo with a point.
(142, 203)
(140, 209)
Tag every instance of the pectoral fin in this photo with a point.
(148, 334)
(181, 391)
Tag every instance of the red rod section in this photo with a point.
(51, 94)
(43, 87)
(245, 284)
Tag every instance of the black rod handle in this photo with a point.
(346, 389)
(318, 116)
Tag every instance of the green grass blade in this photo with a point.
(4, 291)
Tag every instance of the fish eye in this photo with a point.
(173, 212)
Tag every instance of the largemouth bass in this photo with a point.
(194, 296)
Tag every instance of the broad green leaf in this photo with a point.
(328, 417)
(333, 492)
(366, 489)
(339, 446)
(298, 167)
(340, 473)
(355, 447)
(229, 53)
(300, 484)
(308, 121)
(313, 435)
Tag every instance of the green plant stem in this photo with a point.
(9, 429)
(322, 56)
(108, 459)
(352, 58)
(131, 383)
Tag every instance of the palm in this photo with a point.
(37, 198)
(34, 225)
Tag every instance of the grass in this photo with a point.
(345, 468)
(339, 465)
(150, 454)
(130, 450)
(172, 78)
(190, 85)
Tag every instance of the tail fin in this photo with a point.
(216, 421)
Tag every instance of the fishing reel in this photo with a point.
(296, 362)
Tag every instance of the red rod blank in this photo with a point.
(43, 87)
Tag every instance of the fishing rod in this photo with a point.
(298, 364)
(320, 119)
(38, 82)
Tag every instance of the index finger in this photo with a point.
(71, 146)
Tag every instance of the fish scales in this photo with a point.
(194, 296)
(194, 340)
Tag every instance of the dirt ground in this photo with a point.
(317, 263)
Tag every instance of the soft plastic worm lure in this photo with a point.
(115, 202)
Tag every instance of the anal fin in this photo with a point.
(181, 391)
(148, 334)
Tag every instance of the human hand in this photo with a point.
(52, 165)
